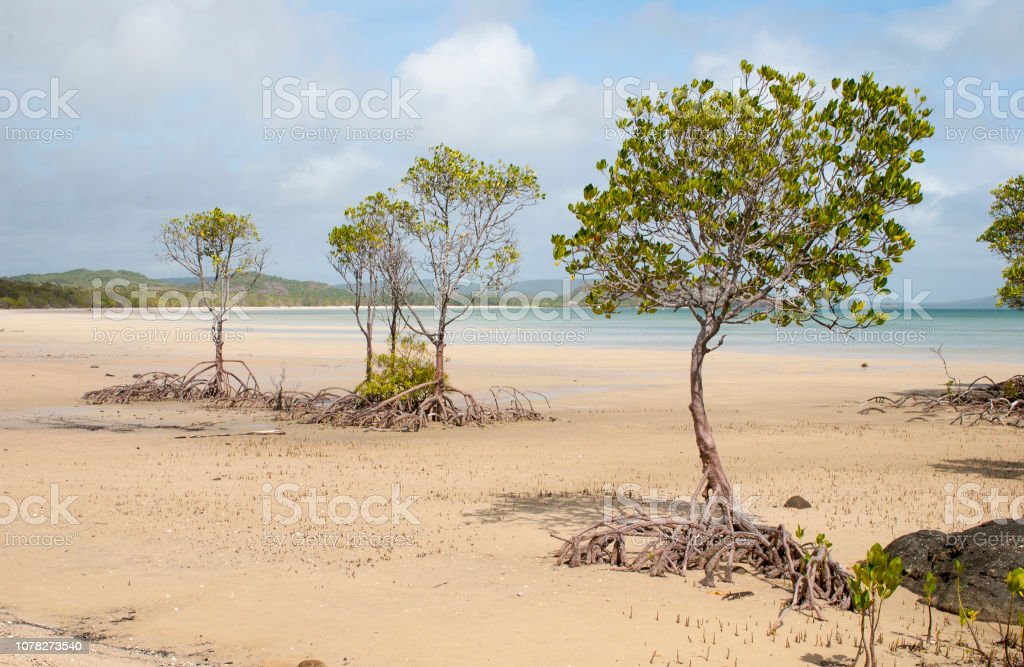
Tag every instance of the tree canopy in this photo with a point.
(216, 247)
(778, 194)
(462, 236)
(1005, 237)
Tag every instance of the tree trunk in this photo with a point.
(395, 305)
(439, 366)
(369, 344)
(711, 465)
(369, 358)
(218, 345)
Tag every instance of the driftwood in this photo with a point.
(981, 401)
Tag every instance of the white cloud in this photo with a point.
(322, 175)
(483, 83)
(170, 104)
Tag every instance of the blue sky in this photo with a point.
(171, 119)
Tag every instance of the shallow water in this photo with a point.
(957, 331)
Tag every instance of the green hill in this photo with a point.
(73, 289)
(269, 290)
(82, 277)
(23, 294)
(277, 291)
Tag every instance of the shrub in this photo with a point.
(390, 375)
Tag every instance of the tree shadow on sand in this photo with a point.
(558, 512)
(818, 659)
(985, 467)
(552, 511)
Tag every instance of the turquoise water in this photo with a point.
(957, 331)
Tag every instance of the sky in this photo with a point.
(151, 109)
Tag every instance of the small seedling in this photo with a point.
(930, 584)
(875, 580)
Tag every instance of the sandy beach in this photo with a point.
(173, 559)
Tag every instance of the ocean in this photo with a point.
(957, 331)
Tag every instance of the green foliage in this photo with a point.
(967, 615)
(1015, 586)
(819, 541)
(355, 247)
(216, 235)
(773, 201)
(378, 213)
(1012, 389)
(354, 240)
(1015, 582)
(411, 365)
(83, 277)
(930, 586)
(1005, 237)
(463, 210)
(875, 579)
(266, 290)
(20, 294)
(217, 247)
(368, 251)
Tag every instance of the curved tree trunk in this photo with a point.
(717, 483)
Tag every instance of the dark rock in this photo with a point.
(797, 503)
(312, 663)
(987, 552)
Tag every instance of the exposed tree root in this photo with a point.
(714, 541)
(983, 400)
(411, 411)
(230, 384)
